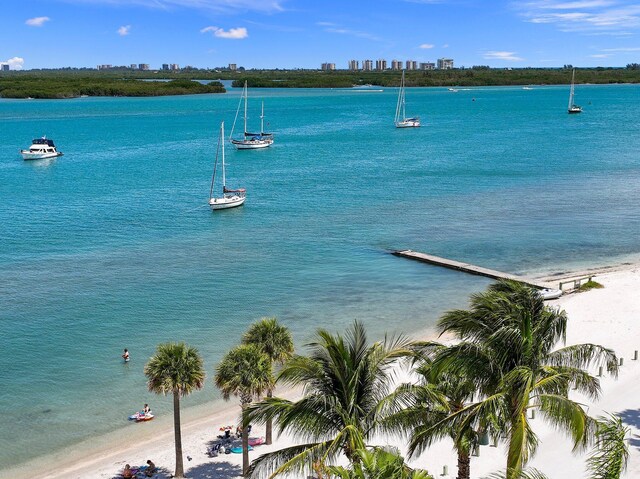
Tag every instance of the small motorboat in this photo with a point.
(40, 149)
(548, 293)
(141, 416)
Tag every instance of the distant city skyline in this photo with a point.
(291, 34)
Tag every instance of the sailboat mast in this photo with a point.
(224, 179)
(245, 107)
(573, 78)
(262, 119)
(404, 112)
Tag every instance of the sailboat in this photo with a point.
(573, 108)
(228, 198)
(251, 141)
(401, 120)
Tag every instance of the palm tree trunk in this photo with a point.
(176, 428)
(245, 441)
(269, 433)
(464, 464)
(517, 445)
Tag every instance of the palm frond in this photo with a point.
(610, 457)
(582, 356)
(568, 416)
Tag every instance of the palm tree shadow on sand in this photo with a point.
(161, 473)
(214, 470)
(631, 417)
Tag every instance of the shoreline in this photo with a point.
(105, 455)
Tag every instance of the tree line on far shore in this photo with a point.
(508, 363)
(59, 87)
(69, 83)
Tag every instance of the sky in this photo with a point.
(290, 34)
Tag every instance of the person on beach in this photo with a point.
(125, 355)
(127, 472)
(151, 469)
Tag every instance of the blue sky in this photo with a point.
(306, 33)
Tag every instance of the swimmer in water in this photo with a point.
(125, 355)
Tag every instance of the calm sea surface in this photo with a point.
(113, 246)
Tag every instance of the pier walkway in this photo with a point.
(468, 268)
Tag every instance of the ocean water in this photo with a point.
(113, 244)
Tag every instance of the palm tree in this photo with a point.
(178, 369)
(244, 372)
(429, 403)
(609, 459)
(276, 342)
(345, 381)
(378, 464)
(506, 349)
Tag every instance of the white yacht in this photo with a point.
(40, 149)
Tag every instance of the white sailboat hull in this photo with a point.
(251, 144)
(408, 123)
(226, 202)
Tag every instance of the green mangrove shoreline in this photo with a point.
(71, 83)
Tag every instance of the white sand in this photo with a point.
(607, 316)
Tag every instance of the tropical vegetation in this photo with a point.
(506, 347)
(175, 369)
(123, 81)
(378, 463)
(274, 340)
(244, 372)
(39, 87)
(346, 384)
(609, 458)
(429, 402)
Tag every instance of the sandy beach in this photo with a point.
(604, 316)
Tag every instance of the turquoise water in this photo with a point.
(113, 246)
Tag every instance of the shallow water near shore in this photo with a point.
(113, 245)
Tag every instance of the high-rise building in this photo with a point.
(143, 66)
(174, 66)
(5, 67)
(233, 66)
(381, 65)
(396, 64)
(427, 66)
(133, 66)
(445, 63)
(353, 65)
(367, 65)
(165, 66)
(104, 67)
(411, 65)
(328, 66)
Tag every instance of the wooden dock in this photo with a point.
(468, 268)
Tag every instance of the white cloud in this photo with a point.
(14, 63)
(220, 6)
(506, 56)
(326, 24)
(601, 55)
(37, 21)
(426, 46)
(354, 33)
(588, 16)
(233, 33)
(124, 30)
(622, 49)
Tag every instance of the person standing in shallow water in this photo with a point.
(125, 355)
